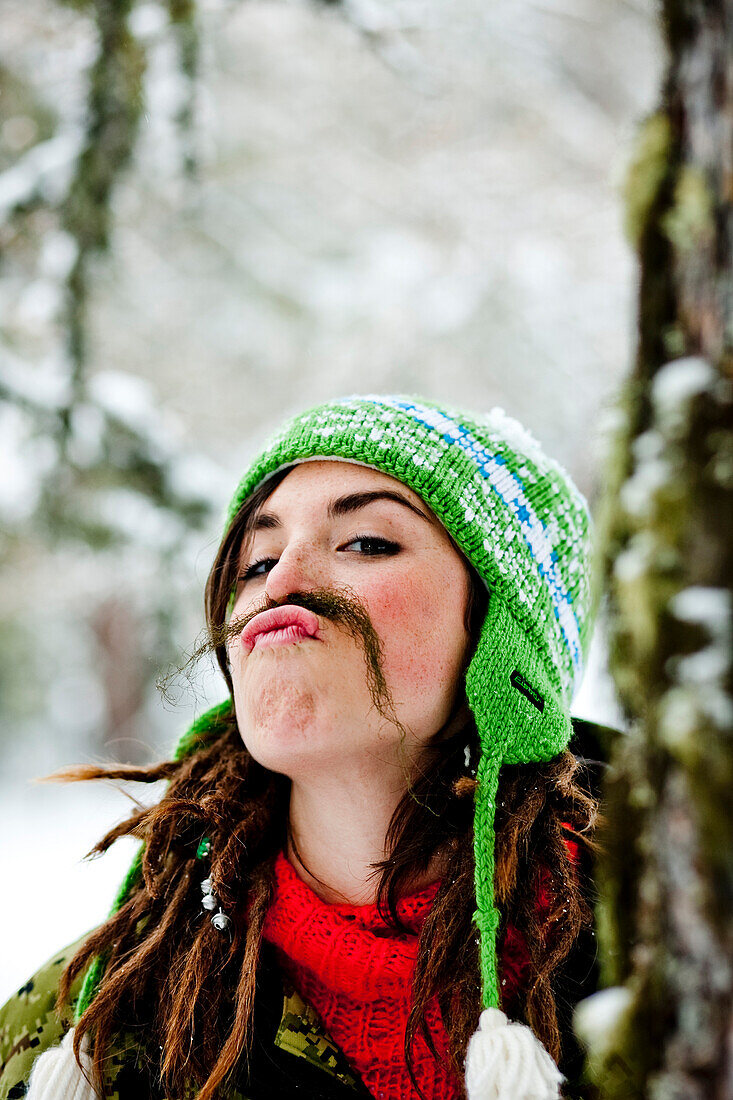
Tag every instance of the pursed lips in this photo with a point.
(293, 624)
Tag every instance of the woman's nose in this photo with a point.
(296, 570)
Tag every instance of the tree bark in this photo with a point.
(665, 925)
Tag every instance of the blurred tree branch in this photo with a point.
(68, 182)
(107, 468)
(113, 115)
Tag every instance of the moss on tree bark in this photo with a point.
(666, 884)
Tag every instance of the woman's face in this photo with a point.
(304, 704)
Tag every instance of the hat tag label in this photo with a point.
(518, 681)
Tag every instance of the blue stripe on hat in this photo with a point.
(510, 489)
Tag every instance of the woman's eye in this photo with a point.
(253, 570)
(371, 545)
(368, 545)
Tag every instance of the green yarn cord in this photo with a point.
(97, 966)
(486, 917)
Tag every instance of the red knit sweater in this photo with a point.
(357, 975)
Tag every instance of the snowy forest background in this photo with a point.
(299, 200)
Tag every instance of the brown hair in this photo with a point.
(190, 992)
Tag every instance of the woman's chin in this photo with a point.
(291, 751)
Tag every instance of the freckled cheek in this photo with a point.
(418, 648)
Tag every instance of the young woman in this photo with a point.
(380, 838)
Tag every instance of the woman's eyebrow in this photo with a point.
(343, 506)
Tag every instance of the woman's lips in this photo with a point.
(279, 626)
(284, 636)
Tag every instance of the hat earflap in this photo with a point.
(519, 718)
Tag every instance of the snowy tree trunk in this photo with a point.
(665, 922)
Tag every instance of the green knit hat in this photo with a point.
(524, 526)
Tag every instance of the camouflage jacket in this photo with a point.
(292, 1053)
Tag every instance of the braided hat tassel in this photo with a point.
(504, 1061)
(486, 917)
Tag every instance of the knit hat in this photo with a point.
(521, 522)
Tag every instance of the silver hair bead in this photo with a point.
(221, 922)
(209, 900)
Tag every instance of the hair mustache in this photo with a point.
(340, 606)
